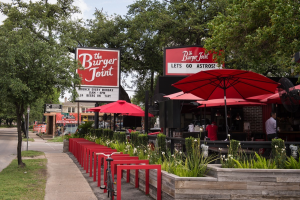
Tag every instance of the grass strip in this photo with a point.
(31, 153)
(56, 139)
(28, 182)
(29, 139)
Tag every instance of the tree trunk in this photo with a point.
(19, 111)
(151, 86)
(23, 129)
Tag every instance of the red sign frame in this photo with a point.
(72, 118)
(180, 58)
(101, 66)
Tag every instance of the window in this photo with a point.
(71, 109)
(91, 118)
(84, 110)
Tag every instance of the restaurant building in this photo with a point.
(55, 120)
(245, 123)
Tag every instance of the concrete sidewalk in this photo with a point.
(65, 180)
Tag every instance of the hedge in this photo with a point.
(99, 132)
(116, 136)
(161, 141)
(134, 138)
(143, 140)
(189, 145)
(122, 137)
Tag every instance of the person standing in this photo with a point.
(271, 127)
(212, 131)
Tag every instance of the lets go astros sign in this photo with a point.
(187, 60)
(100, 77)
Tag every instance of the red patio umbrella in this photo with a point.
(269, 98)
(120, 107)
(241, 103)
(95, 109)
(259, 97)
(138, 114)
(212, 101)
(183, 96)
(226, 83)
(275, 98)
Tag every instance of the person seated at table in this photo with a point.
(212, 131)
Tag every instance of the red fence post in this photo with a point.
(122, 167)
(116, 157)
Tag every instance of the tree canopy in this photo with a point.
(262, 36)
(32, 60)
(149, 27)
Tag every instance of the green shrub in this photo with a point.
(277, 143)
(292, 163)
(122, 137)
(134, 138)
(258, 162)
(98, 132)
(234, 147)
(278, 153)
(92, 132)
(84, 129)
(105, 132)
(189, 145)
(161, 141)
(110, 134)
(116, 136)
(143, 140)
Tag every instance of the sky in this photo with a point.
(109, 6)
(87, 8)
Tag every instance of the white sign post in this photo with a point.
(98, 94)
(28, 110)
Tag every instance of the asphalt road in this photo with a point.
(8, 146)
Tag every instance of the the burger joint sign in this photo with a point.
(100, 74)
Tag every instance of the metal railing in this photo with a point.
(223, 144)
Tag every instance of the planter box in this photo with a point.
(225, 183)
(66, 146)
(259, 183)
(171, 184)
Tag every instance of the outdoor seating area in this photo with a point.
(198, 142)
(217, 181)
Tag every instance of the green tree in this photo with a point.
(257, 35)
(32, 60)
(186, 22)
(148, 27)
(152, 25)
(7, 113)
